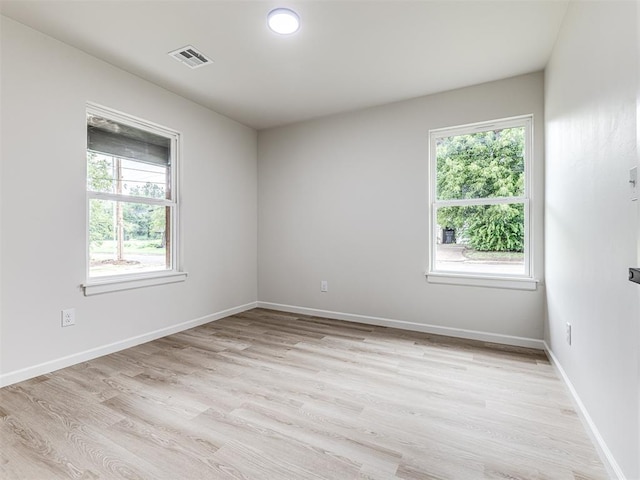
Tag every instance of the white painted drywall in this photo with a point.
(45, 87)
(591, 224)
(344, 199)
(638, 206)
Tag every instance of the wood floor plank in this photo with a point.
(269, 395)
(65, 446)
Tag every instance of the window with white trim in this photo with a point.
(131, 198)
(480, 184)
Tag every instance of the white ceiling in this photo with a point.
(347, 54)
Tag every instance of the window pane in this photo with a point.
(127, 177)
(480, 165)
(127, 237)
(100, 174)
(481, 239)
(144, 180)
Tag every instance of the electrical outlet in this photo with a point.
(68, 317)
(324, 286)
(568, 332)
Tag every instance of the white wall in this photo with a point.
(591, 224)
(344, 199)
(638, 230)
(45, 87)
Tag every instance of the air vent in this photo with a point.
(190, 57)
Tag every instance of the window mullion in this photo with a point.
(130, 198)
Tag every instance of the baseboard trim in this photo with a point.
(404, 325)
(606, 456)
(50, 366)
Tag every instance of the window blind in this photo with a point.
(118, 140)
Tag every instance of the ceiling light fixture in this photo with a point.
(283, 21)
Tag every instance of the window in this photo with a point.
(131, 196)
(480, 204)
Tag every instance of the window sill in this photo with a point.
(513, 283)
(114, 284)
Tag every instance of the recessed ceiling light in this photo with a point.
(283, 21)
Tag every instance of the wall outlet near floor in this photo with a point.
(68, 317)
(324, 286)
(568, 332)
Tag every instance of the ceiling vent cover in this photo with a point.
(190, 57)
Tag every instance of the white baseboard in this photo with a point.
(52, 365)
(416, 327)
(606, 456)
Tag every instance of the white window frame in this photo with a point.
(524, 281)
(127, 281)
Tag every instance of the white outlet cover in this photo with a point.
(68, 317)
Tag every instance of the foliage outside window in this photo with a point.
(480, 199)
(131, 196)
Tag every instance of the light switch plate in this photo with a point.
(633, 183)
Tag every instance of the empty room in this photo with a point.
(261, 240)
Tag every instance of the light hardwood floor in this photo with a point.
(269, 395)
